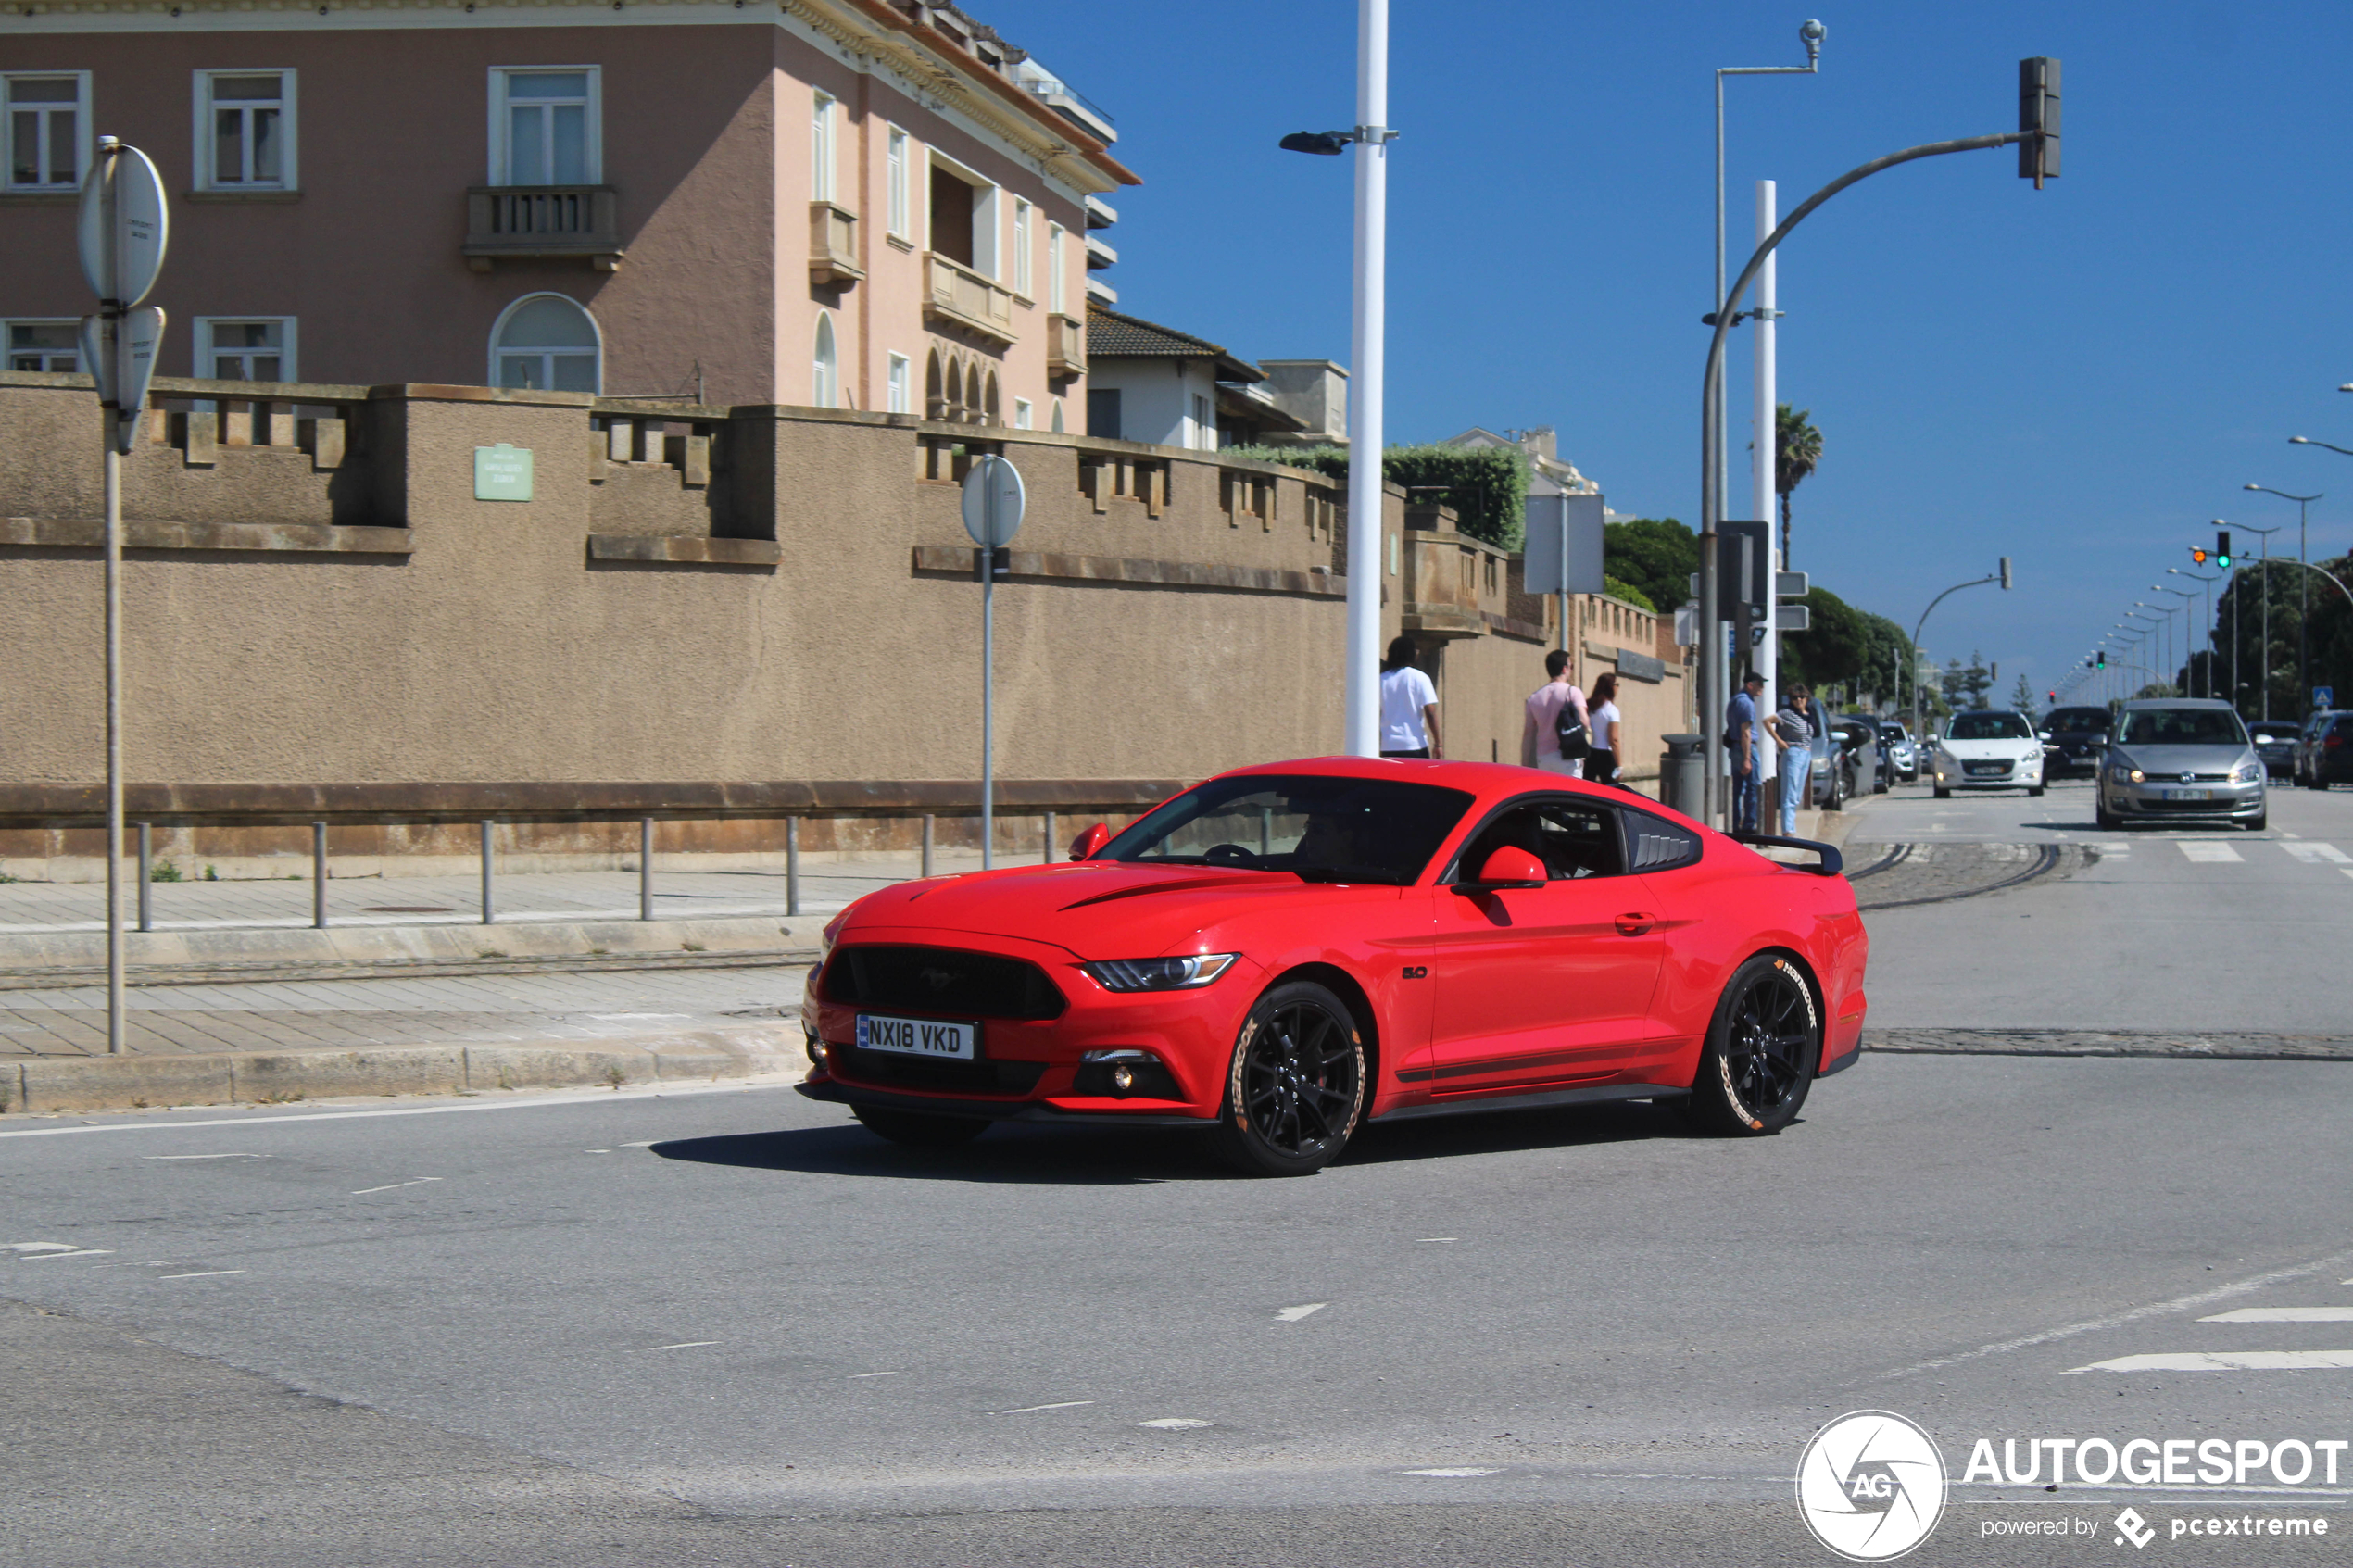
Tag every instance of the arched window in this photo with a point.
(546, 343)
(988, 402)
(934, 400)
(827, 379)
(972, 410)
(1058, 416)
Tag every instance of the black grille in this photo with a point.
(929, 1072)
(941, 981)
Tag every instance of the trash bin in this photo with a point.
(1679, 773)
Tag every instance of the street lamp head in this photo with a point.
(2347, 387)
(1324, 144)
(1811, 34)
(2298, 441)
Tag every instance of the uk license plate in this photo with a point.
(2189, 794)
(918, 1037)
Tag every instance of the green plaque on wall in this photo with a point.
(502, 472)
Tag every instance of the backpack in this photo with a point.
(1576, 740)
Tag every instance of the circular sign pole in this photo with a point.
(993, 501)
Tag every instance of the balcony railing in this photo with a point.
(1066, 346)
(537, 222)
(961, 295)
(833, 244)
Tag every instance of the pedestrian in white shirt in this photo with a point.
(1539, 744)
(1603, 763)
(1408, 706)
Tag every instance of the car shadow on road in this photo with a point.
(1512, 1132)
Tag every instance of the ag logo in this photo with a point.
(1870, 1485)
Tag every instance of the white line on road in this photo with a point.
(77, 1252)
(203, 1273)
(40, 1247)
(2313, 854)
(204, 1157)
(1438, 1238)
(1293, 1314)
(856, 1375)
(2228, 1360)
(687, 1345)
(1451, 1471)
(1176, 1423)
(390, 1185)
(2283, 1314)
(1028, 1409)
(2209, 854)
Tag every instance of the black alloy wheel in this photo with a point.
(1297, 1083)
(920, 1129)
(1762, 1051)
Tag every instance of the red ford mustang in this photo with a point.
(1284, 953)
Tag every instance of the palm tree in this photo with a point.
(1800, 454)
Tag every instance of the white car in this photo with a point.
(1988, 750)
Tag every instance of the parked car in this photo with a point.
(2176, 758)
(1866, 755)
(1988, 749)
(2275, 743)
(2072, 738)
(1902, 753)
(1229, 964)
(2308, 744)
(2332, 760)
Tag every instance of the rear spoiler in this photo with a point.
(1831, 862)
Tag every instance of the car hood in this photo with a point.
(2008, 750)
(1099, 908)
(2160, 759)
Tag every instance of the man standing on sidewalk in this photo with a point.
(1746, 739)
(1540, 741)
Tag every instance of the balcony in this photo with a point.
(1066, 346)
(833, 244)
(541, 223)
(960, 295)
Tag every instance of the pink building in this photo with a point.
(854, 204)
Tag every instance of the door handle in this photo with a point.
(1635, 924)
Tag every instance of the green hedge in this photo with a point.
(1486, 485)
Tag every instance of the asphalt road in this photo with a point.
(729, 1327)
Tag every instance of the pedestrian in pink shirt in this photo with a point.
(1539, 744)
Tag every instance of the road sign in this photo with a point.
(502, 472)
(2325, 697)
(1564, 545)
(123, 225)
(120, 353)
(993, 502)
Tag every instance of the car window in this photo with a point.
(1989, 726)
(2077, 719)
(2181, 726)
(1659, 845)
(1324, 829)
(1574, 838)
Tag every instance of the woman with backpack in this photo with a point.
(1602, 762)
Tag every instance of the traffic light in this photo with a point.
(2222, 547)
(2101, 661)
(2198, 555)
(2038, 116)
(2006, 574)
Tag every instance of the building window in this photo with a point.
(1055, 267)
(1022, 414)
(902, 372)
(895, 179)
(546, 343)
(825, 384)
(1021, 248)
(1204, 428)
(246, 347)
(45, 345)
(48, 131)
(1102, 411)
(545, 127)
(244, 130)
(821, 148)
(964, 216)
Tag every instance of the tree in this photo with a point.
(1835, 647)
(1799, 452)
(1656, 554)
(2022, 695)
(1966, 684)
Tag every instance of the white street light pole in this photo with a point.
(2263, 671)
(1766, 467)
(2304, 584)
(1368, 346)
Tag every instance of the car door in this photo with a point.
(1546, 985)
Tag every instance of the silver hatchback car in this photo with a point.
(2171, 758)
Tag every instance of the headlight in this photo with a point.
(1159, 974)
(2246, 772)
(826, 938)
(2122, 774)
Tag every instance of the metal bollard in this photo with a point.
(147, 874)
(319, 876)
(928, 838)
(489, 910)
(792, 865)
(645, 868)
(1049, 838)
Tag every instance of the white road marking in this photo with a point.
(642, 1143)
(1026, 1410)
(687, 1345)
(2209, 854)
(2347, 869)
(1419, 1238)
(2283, 1314)
(2313, 854)
(390, 1185)
(1454, 1471)
(1176, 1423)
(623, 1017)
(77, 1252)
(856, 1375)
(2228, 1360)
(204, 1157)
(41, 1247)
(1293, 1314)
(599, 1151)
(571, 1096)
(205, 1273)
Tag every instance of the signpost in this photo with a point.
(123, 229)
(993, 502)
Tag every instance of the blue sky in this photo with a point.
(2080, 378)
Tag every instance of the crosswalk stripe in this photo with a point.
(2214, 854)
(2283, 1314)
(2313, 854)
(2229, 1361)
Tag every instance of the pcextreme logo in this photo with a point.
(1870, 1485)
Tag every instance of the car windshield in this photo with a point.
(2077, 721)
(2181, 726)
(1321, 829)
(1989, 726)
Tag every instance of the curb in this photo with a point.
(139, 1082)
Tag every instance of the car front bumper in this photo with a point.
(2158, 798)
(2019, 775)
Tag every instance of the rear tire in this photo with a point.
(920, 1129)
(1763, 1048)
(1296, 1085)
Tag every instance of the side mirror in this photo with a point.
(1508, 867)
(2098, 743)
(1087, 845)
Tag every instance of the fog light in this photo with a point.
(1122, 1077)
(817, 1052)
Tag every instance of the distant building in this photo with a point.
(1552, 476)
(1155, 383)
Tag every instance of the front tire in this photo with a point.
(1943, 793)
(1297, 1083)
(920, 1129)
(1762, 1051)
(2032, 790)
